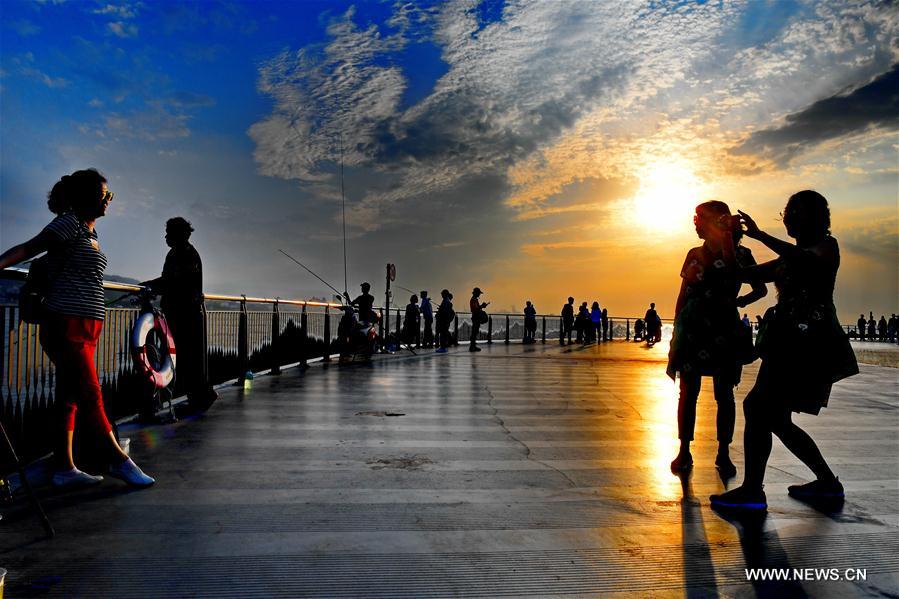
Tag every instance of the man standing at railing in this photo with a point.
(427, 316)
(181, 286)
(478, 317)
(445, 315)
(567, 321)
(364, 303)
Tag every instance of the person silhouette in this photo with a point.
(605, 324)
(804, 350)
(861, 327)
(478, 317)
(653, 324)
(581, 323)
(181, 286)
(706, 339)
(427, 317)
(364, 303)
(445, 316)
(567, 321)
(411, 327)
(530, 322)
(595, 322)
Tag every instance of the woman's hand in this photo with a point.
(750, 229)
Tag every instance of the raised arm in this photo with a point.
(780, 247)
(759, 289)
(25, 251)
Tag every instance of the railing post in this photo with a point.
(386, 330)
(327, 356)
(489, 330)
(456, 330)
(243, 340)
(398, 327)
(276, 342)
(627, 336)
(303, 337)
(611, 329)
(205, 341)
(381, 340)
(543, 340)
(507, 329)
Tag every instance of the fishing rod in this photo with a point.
(310, 272)
(343, 212)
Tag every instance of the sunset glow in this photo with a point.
(669, 191)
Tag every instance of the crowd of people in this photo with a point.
(882, 330)
(802, 346)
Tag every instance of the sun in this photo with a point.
(668, 193)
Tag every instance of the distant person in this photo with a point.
(595, 322)
(427, 317)
(882, 328)
(411, 324)
(530, 322)
(872, 328)
(567, 321)
(364, 303)
(478, 317)
(861, 327)
(746, 321)
(706, 339)
(581, 323)
(72, 317)
(639, 329)
(804, 351)
(892, 328)
(653, 324)
(445, 316)
(181, 286)
(605, 324)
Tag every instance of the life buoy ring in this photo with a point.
(146, 322)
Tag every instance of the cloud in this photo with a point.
(122, 29)
(25, 27)
(153, 124)
(187, 99)
(873, 105)
(121, 11)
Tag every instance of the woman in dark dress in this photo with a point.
(709, 339)
(804, 350)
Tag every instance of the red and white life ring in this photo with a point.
(147, 322)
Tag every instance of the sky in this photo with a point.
(534, 149)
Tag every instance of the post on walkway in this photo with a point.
(327, 335)
(611, 329)
(243, 341)
(507, 329)
(543, 340)
(456, 330)
(398, 319)
(489, 330)
(205, 365)
(276, 338)
(381, 329)
(304, 338)
(627, 334)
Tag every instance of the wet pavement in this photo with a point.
(517, 471)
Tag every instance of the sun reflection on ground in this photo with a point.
(660, 433)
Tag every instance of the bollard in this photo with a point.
(327, 334)
(489, 330)
(303, 337)
(627, 335)
(243, 342)
(507, 329)
(276, 342)
(543, 340)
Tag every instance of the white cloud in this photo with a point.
(122, 29)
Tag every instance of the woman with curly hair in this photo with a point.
(804, 351)
(72, 318)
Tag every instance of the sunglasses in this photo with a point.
(107, 197)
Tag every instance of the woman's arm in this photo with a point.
(759, 290)
(25, 251)
(759, 274)
(780, 247)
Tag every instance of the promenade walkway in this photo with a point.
(518, 471)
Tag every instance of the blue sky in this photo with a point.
(523, 147)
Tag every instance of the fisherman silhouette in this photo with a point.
(364, 303)
(181, 286)
(567, 321)
(804, 350)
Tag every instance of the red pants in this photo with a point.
(71, 342)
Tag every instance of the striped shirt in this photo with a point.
(76, 266)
